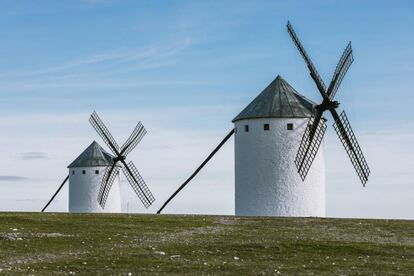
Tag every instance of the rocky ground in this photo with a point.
(42, 244)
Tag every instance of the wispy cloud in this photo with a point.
(34, 155)
(120, 61)
(4, 178)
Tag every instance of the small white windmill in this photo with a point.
(86, 174)
(94, 175)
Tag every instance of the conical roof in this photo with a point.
(278, 100)
(93, 156)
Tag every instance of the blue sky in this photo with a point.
(185, 69)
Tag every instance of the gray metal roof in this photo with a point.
(278, 100)
(93, 156)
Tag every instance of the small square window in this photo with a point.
(96, 171)
(289, 126)
(73, 172)
(266, 127)
(83, 172)
(246, 128)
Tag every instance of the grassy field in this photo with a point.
(42, 244)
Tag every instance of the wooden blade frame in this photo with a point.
(103, 131)
(138, 184)
(310, 143)
(134, 139)
(350, 143)
(313, 72)
(130, 171)
(309, 146)
(106, 184)
(340, 71)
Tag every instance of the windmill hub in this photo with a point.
(327, 105)
(119, 158)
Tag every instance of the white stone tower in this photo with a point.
(85, 176)
(268, 134)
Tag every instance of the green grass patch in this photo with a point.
(70, 244)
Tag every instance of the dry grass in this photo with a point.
(45, 244)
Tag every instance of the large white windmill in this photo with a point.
(279, 164)
(267, 136)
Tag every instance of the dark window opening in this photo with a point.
(246, 128)
(83, 172)
(73, 172)
(289, 126)
(96, 171)
(266, 127)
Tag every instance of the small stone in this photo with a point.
(160, 252)
(236, 258)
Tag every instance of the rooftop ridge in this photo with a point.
(93, 156)
(278, 100)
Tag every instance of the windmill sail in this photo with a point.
(103, 131)
(340, 71)
(314, 73)
(130, 171)
(350, 143)
(309, 146)
(138, 184)
(108, 179)
(134, 139)
(314, 133)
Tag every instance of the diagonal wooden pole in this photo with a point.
(197, 170)
(58, 190)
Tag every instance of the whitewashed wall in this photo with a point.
(84, 189)
(267, 181)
